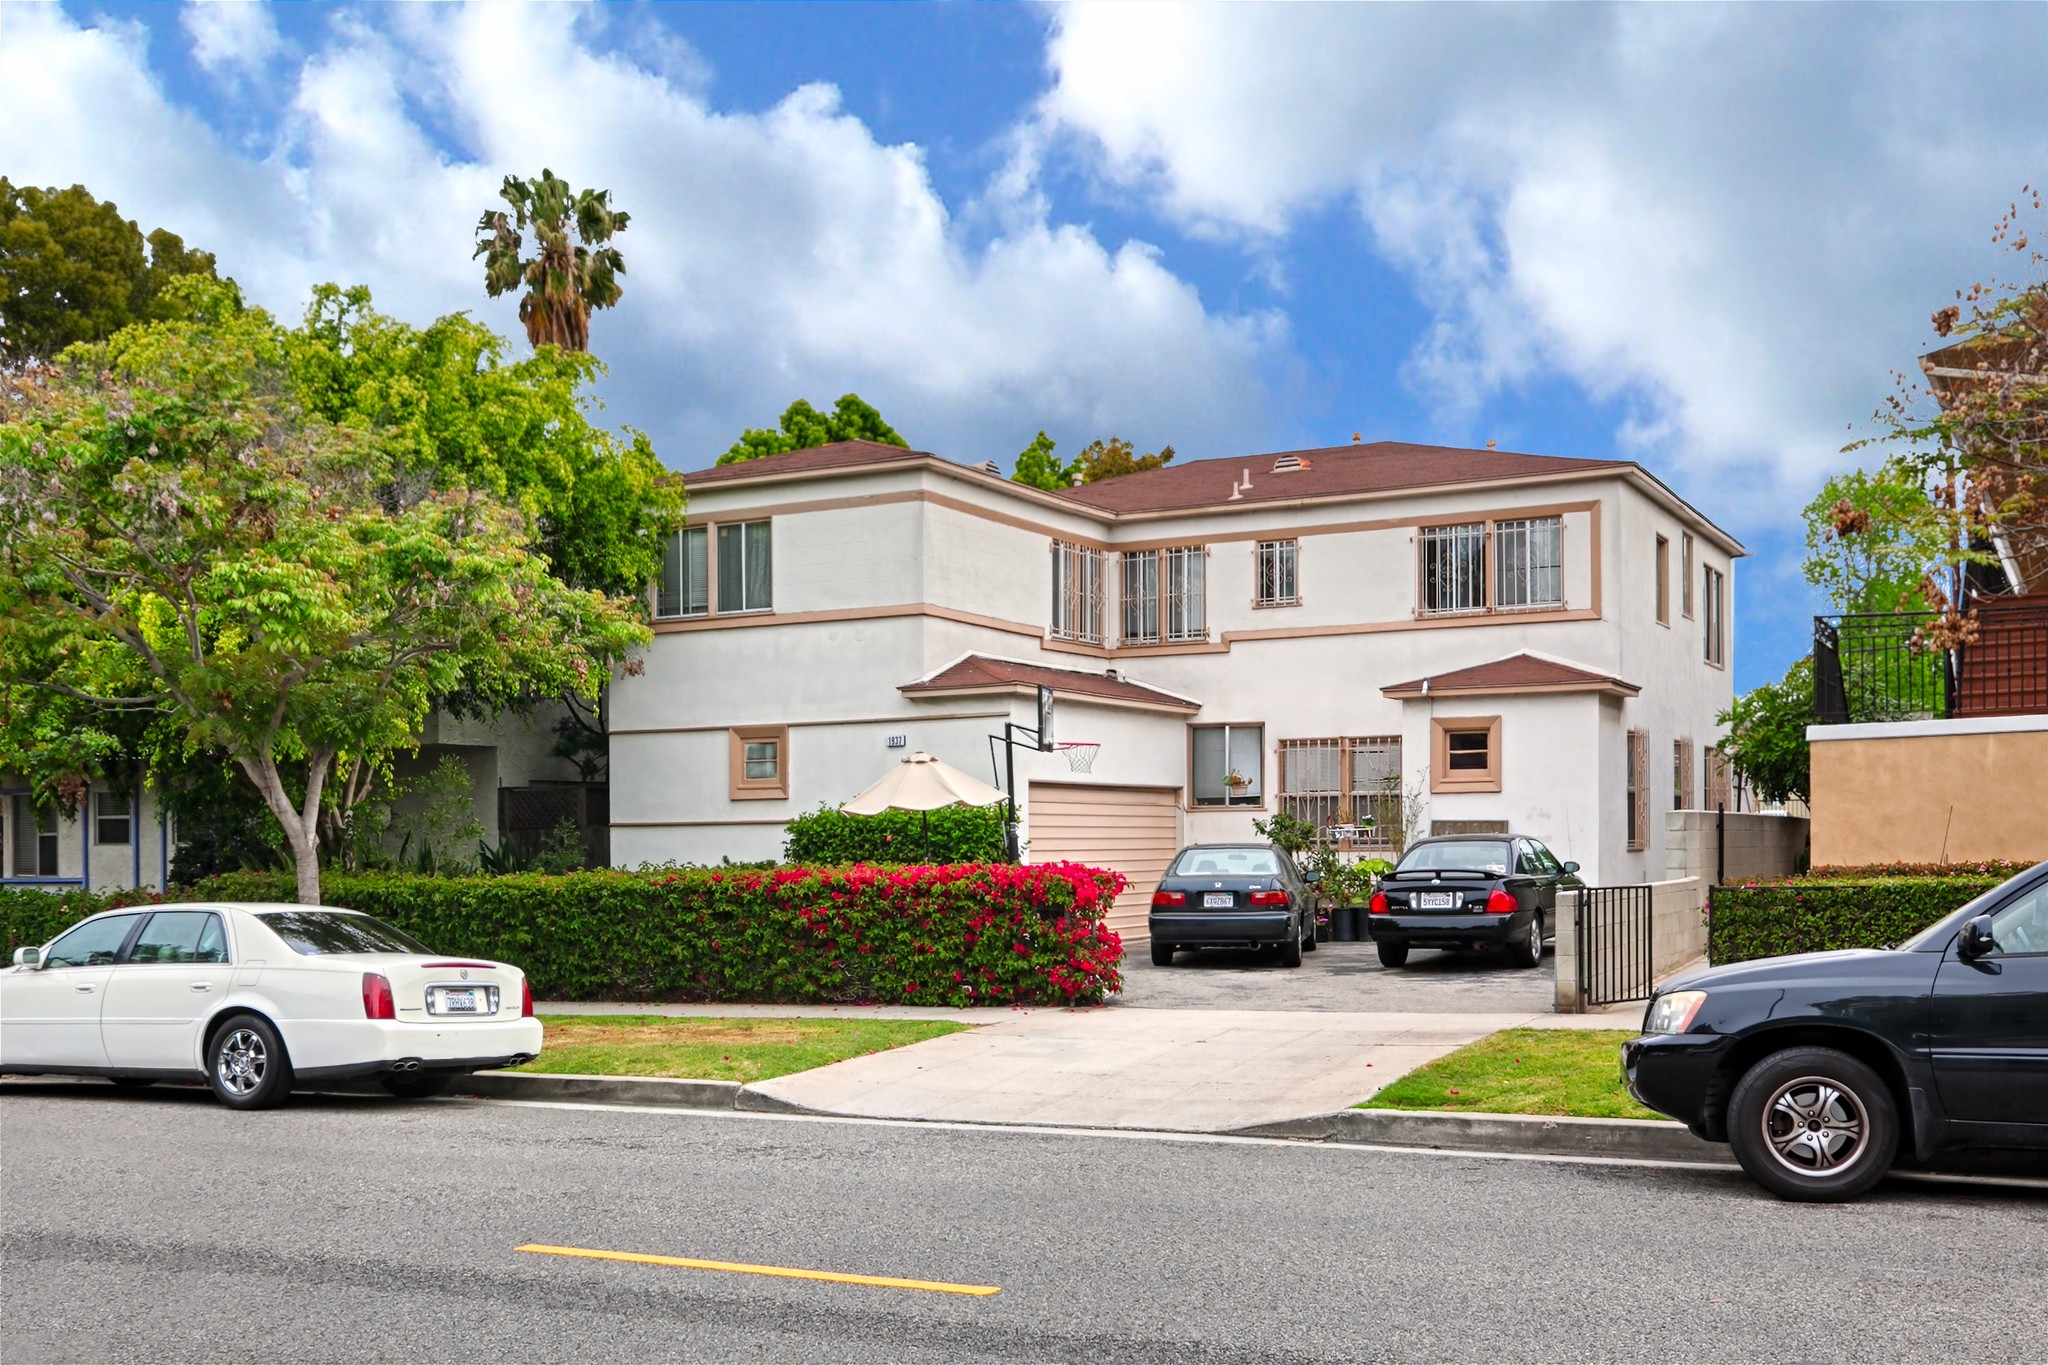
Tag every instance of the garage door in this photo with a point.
(1135, 830)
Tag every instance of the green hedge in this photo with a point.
(970, 934)
(1769, 919)
(829, 837)
(32, 916)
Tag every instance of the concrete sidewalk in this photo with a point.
(1184, 1070)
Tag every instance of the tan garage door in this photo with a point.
(1135, 830)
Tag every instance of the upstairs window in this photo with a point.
(1685, 574)
(1453, 568)
(1076, 593)
(1276, 572)
(1528, 562)
(1165, 595)
(685, 588)
(1713, 589)
(745, 567)
(1638, 791)
(1663, 581)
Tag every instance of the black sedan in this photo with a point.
(1820, 1069)
(1469, 891)
(1233, 896)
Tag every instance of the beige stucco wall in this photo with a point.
(1930, 791)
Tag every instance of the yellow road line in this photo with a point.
(784, 1272)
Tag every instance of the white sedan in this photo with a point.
(254, 997)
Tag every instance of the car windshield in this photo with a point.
(316, 932)
(1227, 862)
(1462, 855)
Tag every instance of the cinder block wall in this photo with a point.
(1755, 847)
(1678, 934)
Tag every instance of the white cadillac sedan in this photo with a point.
(255, 997)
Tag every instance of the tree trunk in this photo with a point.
(301, 827)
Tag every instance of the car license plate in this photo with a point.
(459, 1001)
(1218, 900)
(1436, 900)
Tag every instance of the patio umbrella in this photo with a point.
(923, 784)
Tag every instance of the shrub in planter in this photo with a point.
(829, 837)
(964, 934)
(1772, 918)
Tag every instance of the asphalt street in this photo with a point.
(157, 1226)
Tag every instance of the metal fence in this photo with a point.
(1612, 930)
(1879, 666)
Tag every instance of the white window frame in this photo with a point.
(1244, 744)
(1520, 581)
(1165, 595)
(745, 577)
(1276, 573)
(1452, 558)
(677, 594)
(122, 814)
(1076, 593)
(1685, 574)
(1713, 614)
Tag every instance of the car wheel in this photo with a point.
(132, 1082)
(246, 1064)
(415, 1085)
(1529, 951)
(1812, 1123)
(1393, 954)
(1308, 943)
(1290, 952)
(1162, 954)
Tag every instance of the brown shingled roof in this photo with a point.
(1516, 673)
(978, 673)
(814, 459)
(1332, 471)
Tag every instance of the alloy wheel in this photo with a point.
(1815, 1126)
(242, 1063)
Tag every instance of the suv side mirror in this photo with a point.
(1976, 940)
(28, 957)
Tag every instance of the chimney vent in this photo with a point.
(1287, 464)
(990, 467)
(1490, 444)
(1356, 437)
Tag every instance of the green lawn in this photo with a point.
(1523, 1071)
(715, 1049)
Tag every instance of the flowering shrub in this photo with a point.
(1765, 919)
(959, 934)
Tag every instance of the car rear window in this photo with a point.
(1226, 862)
(1465, 855)
(317, 932)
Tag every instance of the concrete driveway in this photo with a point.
(1344, 977)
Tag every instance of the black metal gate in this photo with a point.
(1612, 938)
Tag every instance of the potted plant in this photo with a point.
(1236, 781)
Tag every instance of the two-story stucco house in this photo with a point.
(1365, 635)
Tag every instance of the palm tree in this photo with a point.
(563, 280)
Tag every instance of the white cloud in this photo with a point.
(772, 255)
(1733, 220)
(231, 38)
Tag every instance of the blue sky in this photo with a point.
(1698, 236)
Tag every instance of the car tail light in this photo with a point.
(525, 998)
(1169, 898)
(1269, 898)
(377, 1001)
(1378, 904)
(1501, 903)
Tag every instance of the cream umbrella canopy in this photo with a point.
(923, 783)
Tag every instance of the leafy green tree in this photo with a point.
(1040, 468)
(181, 540)
(803, 427)
(445, 405)
(563, 280)
(1115, 457)
(73, 269)
(1873, 539)
(1766, 741)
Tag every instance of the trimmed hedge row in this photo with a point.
(829, 837)
(969, 934)
(30, 916)
(1773, 918)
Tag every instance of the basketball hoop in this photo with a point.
(1080, 757)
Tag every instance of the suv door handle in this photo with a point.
(202, 985)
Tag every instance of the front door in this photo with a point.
(174, 975)
(50, 1015)
(1990, 1021)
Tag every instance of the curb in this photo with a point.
(660, 1091)
(1642, 1139)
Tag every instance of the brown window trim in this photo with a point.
(1441, 779)
(739, 786)
(1663, 582)
(1491, 610)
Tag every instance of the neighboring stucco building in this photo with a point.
(1503, 640)
(114, 841)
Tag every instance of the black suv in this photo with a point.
(1820, 1068)
(1470, 891)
